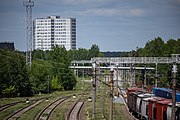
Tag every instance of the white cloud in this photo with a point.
(136, 12)
(83, 1)
(178, 1)
(101, 12)
(112, 12)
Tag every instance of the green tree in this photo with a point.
(159, 48)
(68, 80)
(154, 48)
(55, 84)
(61, 64)
(14, 74)
(59, 54)
(40, 80)
(10, 91)
(93, 51)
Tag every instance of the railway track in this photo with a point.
(4, 107)
(43, 115)
(75, 112)
(17, 114)
(46, 112)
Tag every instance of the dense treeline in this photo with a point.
(50, 68)
(160, 48)
(18, 79)
(79, 54)
(14, 75)
(85, 54)
(111, 54)
(49, 71)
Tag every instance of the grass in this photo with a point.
(60, 111)
(4, 101)
(12, 109)
(31, 115)
(118, 113)
(34, 112)
(102, 100)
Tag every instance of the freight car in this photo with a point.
(169, 109)
(140, 98)
(152, 109)
(148, 106)
(162, 92)
(130, 97)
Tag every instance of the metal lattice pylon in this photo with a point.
(29, 6)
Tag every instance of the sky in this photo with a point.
(114, 25)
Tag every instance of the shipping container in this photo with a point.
(166, 93)
(145, 107)
(133, 89)
(130, 97)
(162, 109)
(177, 97)
(130, 101)
(139, 102)
(134, 103)
(169, 111)
(152, 107)
(163, 92)
(156, 106)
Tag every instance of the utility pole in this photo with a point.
(176, 59)
(174, 92)
(29, 6)
(74, 69)
(83, 78)
(48, 84)
(94, 90)
(77, 75)
(117, 75)
(132, 71)
(111, 84)
(156, 77)
(145, 78)
(103, 99)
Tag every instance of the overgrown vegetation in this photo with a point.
(159, 48)
(49, 71)
(14, 76)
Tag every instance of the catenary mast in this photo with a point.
(29, 4)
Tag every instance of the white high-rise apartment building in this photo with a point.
(54, 30)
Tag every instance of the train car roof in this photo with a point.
(163, 89)
(166, 101)
(155, 99)
(132, 89)
(177, 104)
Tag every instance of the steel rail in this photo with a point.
(21, 111)
(74, 112)
(47, 111)
(5, 106)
